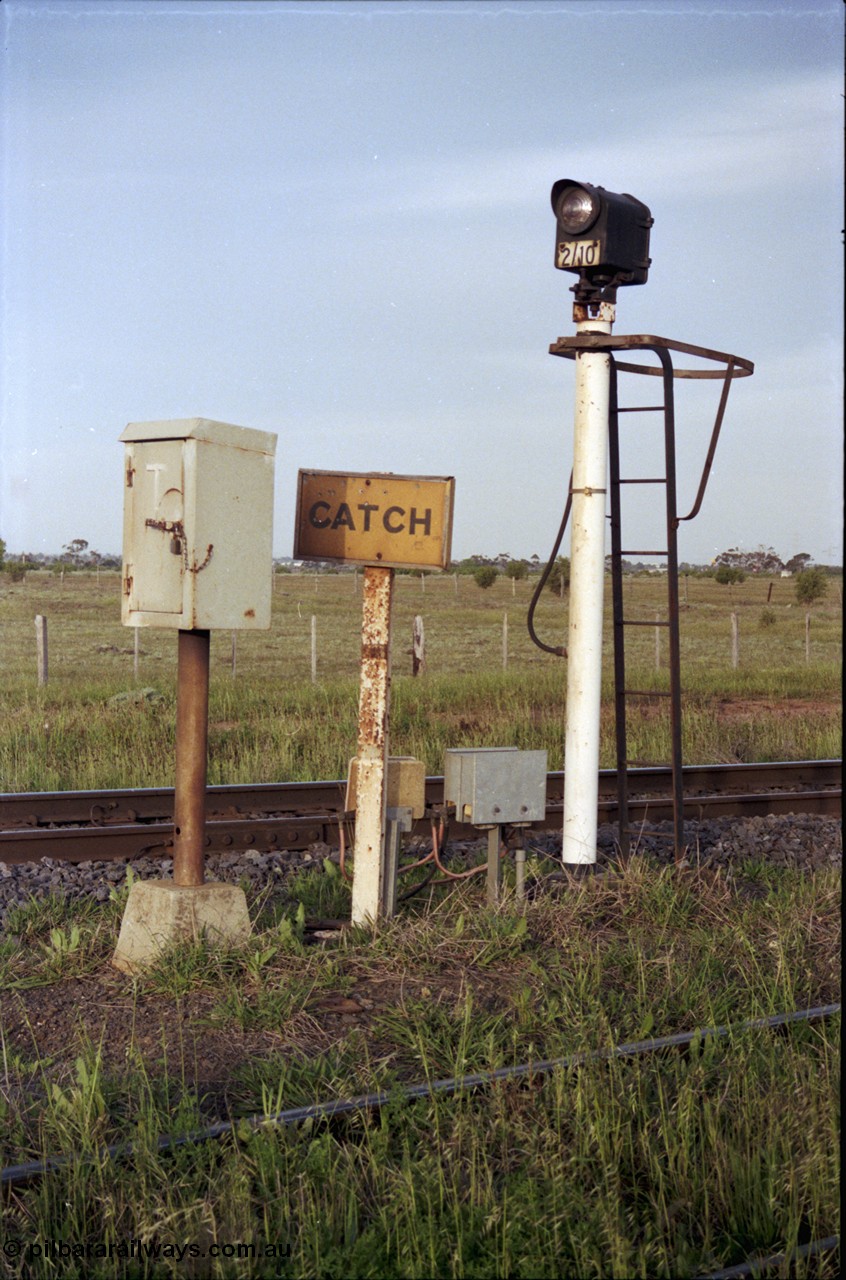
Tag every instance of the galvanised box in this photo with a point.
(494, 785)
(198, 525)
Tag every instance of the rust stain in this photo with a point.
(249, 613)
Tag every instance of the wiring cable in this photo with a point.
(559, 651)
(16, 1175)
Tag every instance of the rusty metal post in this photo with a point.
(493, 880)
(192, 721)
(373, 710)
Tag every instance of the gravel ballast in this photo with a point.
(806, 842)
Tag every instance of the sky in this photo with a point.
(332, 221)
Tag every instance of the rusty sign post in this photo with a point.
(368, 894)
(383, 522)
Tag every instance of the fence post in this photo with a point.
(418, 646)
(41, 646)
(807, 637)
(313, 649)
(735, 641)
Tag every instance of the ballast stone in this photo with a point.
(160, 913)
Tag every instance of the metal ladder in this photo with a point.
(621, 622)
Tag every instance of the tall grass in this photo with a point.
(667, 1165)
(270, 722)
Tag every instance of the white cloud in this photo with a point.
(735, 139)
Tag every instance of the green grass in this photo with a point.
(271, 723)
(663, 1166)
(668, 1165)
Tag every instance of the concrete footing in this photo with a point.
(160, 913)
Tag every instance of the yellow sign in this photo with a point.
(402, 522)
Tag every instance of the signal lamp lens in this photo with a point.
(577, 209)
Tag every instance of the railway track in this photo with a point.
(79, 826)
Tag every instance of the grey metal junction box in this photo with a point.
(198, 525)
(490, 786)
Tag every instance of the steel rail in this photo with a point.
(102, 826)
(15, 1175)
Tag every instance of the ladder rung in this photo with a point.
(642, 622)
(644, 408)
(644, 553)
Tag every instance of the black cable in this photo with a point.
(24, 1173)
(559, 650)
(753, 1266)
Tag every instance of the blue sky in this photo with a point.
(332, 221)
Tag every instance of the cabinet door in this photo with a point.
(156, 551)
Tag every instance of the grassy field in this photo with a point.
(670, 1165)
(270, 722)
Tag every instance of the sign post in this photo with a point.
(382, 522)
(368, 894)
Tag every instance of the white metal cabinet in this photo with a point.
(198, 525)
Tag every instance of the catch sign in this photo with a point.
(401, 522)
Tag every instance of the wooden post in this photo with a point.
(769, 593)
(373, 720)
(313, 649)
(418, 646)
(808, 637)
(735, 641)
(41, 646)
(192, 733)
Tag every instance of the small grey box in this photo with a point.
(494, 785)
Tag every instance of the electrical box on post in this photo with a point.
(198, 525)
(492, 786)
(406, 785)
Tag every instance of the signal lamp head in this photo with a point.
(602, 236)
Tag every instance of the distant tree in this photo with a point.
(485, 576)
(2, 553)
(798, 562)
(75, 550)
(517, 569)
(811, 585)
(728, 575)
(559, 576)
(761, 560)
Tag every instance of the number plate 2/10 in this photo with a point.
(577, 253)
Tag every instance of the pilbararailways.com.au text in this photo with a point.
(140, 1250)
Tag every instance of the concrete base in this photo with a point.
(160, 913)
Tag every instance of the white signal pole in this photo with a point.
(587, 573)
